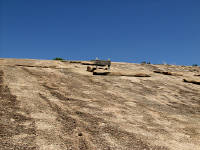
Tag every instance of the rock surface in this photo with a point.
(57, 105)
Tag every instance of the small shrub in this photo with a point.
(143, 62)
(148, 62)
(58, 58)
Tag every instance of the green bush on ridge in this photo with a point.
(58, 58)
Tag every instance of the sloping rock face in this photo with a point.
(54, 105)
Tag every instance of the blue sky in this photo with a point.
(122, 30)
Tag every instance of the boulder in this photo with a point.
(99, 72)
(90, 68)
(167, 73)
(197, 75)
(87, 63)
(103, 72)
(192, 81)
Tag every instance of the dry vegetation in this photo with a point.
(56, 105)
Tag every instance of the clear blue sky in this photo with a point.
(123, 30)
